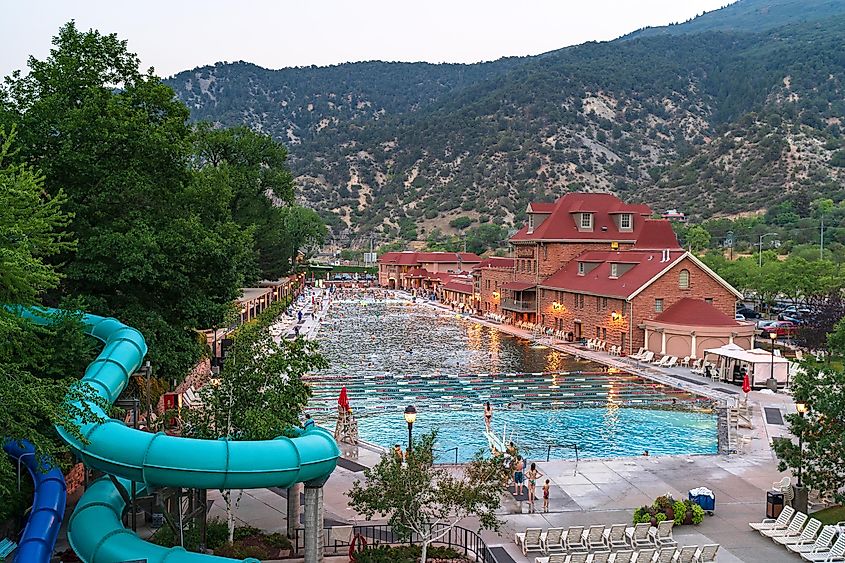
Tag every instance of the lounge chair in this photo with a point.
(643, 556)
(671, 362)
(836, 553)
(661, 535)
(664, 555)
(822, 543)
(637, 535)
(647, 357)
(553, 558)
(685, 554)
(550, 540)
(614, 537)
(594, 537)
(657, 361)
(529, 540)
(599, 557)
(639, 354)
(706, 553)
(623, 556)
(580, 557)
(574, 539)
(793, 530)
(807, 536)
(781, 522)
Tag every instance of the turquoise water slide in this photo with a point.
(95, 529)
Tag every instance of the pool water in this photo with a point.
(391, 354)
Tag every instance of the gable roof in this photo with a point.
(688, 311)
(657, 234)
(412, 258)
(496, 262)
(458, 286)
(560, 225)
(647, 265)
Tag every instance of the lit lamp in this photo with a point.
(495, 295)
(556, 306)
(800, 498)
(615, 316)
(772, 383)
(410, 418)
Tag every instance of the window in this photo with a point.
(603, 302)
(586, 220)
(614, 270)
(579, 301)
(683, 279)
(530, 222)
(598, 333)
(658, 305)
(581, 269)
(545, 252)
(625, 222)
(708, 300)
(488, 284)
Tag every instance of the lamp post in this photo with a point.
(772, 383)
(800, 497)
(761, 246)
(410, 418)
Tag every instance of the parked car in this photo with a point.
(739, 317)
(794, 313)
(783, 329)
(763, 323)
(748, 312)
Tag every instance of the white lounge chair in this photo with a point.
(623, 556)
(685, 554)
(671, 362)
(574, 539)
(822, 543)
(594, 537)
(580, 557)
(781, 522)
(529, 540)
(794, 528)
(639, 354)
(661, 535)
(643, 556)
(550, 540)
(637, 535)
(706, 553)
(807, 536)
(614, 537)
(553, 558)
(647, 357)
(599, 557)
(836, 552)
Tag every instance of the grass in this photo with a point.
(831, 515)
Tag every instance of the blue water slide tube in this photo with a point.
(48, 504)
(95, 530)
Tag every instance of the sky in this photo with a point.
(178, 35)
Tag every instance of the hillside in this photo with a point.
(711, 122)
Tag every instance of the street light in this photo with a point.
(410, 418)
(800, 502)
(761, 245)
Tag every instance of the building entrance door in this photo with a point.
(577, 330)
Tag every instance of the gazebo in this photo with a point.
(732, 362)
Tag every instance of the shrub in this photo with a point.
(240, 551)
(660, 517)
(680, 512)
(697, 513)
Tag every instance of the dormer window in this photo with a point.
(581, 269)
(530, 222)
(625, 222)
(614, 270)
(587, 221)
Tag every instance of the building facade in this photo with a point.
(422, 270)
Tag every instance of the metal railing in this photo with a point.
(521, 306)
(455, 449)
(462, 540)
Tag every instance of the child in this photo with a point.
(546, 488)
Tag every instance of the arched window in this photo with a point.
(683, 279)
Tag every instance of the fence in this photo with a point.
(462, 540)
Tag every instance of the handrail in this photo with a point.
(449, 450)
(573, 446)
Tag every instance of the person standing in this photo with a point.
(533, 475)
(488, 415)
(546, 489)
(518, 476)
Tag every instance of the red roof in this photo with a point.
(458, 287)
(541, 207)
(657, 234)
(647, 264)
(418, 273)
(496, 262)
(518, 286)
(409, 257)
(561, 224)
(695, 312)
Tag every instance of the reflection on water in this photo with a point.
(391, 354)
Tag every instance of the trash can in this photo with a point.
(706, 502)
(774, 504)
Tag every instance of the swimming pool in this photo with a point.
(392, 354)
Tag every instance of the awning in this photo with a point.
(518, 286)
(755, 356)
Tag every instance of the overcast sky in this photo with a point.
(176, 35)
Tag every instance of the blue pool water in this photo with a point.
(392, 354)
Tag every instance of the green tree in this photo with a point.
(697, 238)
(822, 429)
(37, 364)
(156, 245)
(259, 394)
(460, 223)
(421, 499)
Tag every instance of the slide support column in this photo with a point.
(293, 510)
(313, 524)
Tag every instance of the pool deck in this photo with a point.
(599, 491)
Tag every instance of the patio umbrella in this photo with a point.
(343, 400)
(746, 383)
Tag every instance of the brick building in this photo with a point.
(422, 270)
(488, 278)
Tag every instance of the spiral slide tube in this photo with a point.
(48, 504)
(95, 529)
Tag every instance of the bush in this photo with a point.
(697, 513)
(680, 512)
(240, 551)
(405, 554)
